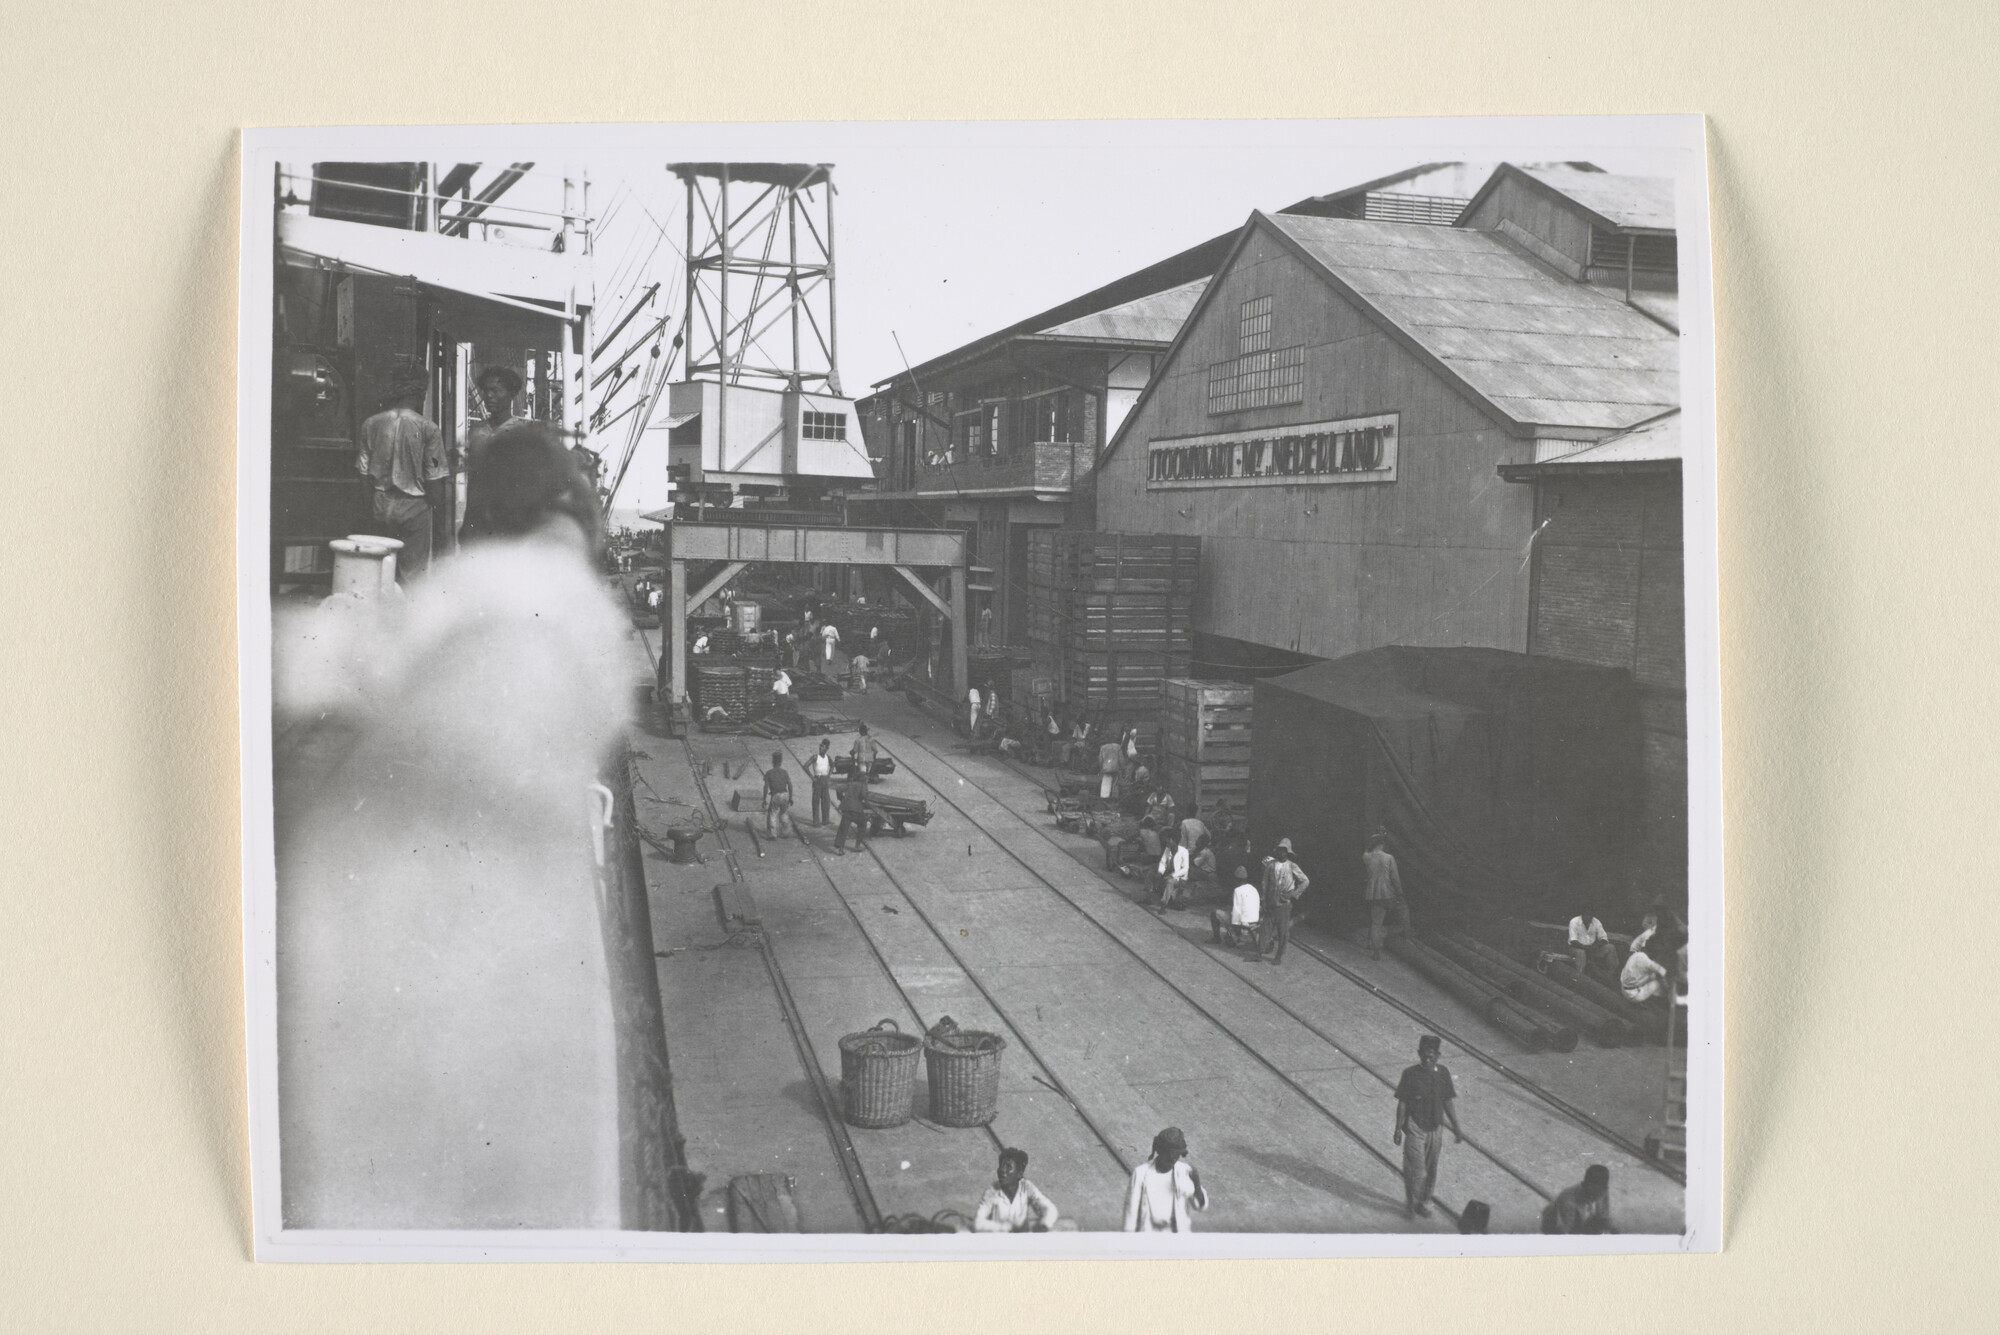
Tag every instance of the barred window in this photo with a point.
(1258, 380)
(825, 426)
(1254, 331)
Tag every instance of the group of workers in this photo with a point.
(1165, 1189)
(1652, 964)
(850, 802)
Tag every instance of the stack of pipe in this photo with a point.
(1605, 1028)
(1533, 1031)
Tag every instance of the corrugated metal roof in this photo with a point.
(1156, 318)
(1627, 201)
(1543, 350)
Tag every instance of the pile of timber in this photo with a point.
(1111, 614)
(1205, 741)
(1604, 1027)
(1526, 1025)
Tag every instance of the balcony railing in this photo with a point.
(1045, 465)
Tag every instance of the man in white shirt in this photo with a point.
(972, 712)
(1643, 978)
(1590, 944)
(1013, 1204)
(820, 770)
(1240, 923)
(781, 688)
(829, 636)
(1173, 873)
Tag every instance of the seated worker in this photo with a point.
(1643, 978)
(1173, 872)
(1590, 944)
(778, 797)
(700, 645)
(1240, 922)
(1201, 865)
(1013, 1204)
(1584, 1208)
(781, 688)
(1160, 806)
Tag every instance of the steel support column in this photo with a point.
(960, 668)
(675, 624)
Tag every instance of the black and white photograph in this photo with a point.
(983, 689)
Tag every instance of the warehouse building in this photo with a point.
(993, 437)
(1345, 415)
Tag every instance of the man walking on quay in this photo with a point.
(778, 797)
(1284, 882)
(1164, 1189)
(820, 770)
(853, 814)
(864, 753)
(401, 461)
(1384, 893)
(1424, 1108)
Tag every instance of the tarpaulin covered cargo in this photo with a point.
(1507, 783)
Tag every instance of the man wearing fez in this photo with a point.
(498, 388)
(400, 460)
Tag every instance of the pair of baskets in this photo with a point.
(878, 1074)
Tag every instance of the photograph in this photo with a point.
(975, 690)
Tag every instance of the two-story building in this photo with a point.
(998, 437)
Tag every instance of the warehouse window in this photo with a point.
(1650, 254)
(1254, 326)
(825, 426)
(1258, 380)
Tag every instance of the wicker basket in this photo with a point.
(878, 1075)
(964, 1070)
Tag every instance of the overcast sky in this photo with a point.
(971, 228)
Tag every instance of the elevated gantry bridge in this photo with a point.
(735, 546)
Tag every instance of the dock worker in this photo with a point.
(700, 645)
(986, 625)
(1284, 882)
(857, 669)
(498, 387)
(1583, 1208)
(781, 688)
(1110, 759)
(1424, 1106)
(1174, 870)
(1013, 1204)
(1129, 765)
(820, 770)
(1643, 978)
(401, 461)
(778, 797)
(865, 751)
(1383, 889)
(853, 813)
(1193, 828)
(1238, 923)
(972, 712)
(1590, 944)
(1164, 1189)
(829, 636)
(1160, 806)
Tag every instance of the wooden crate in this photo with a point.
(1206, 721)
(1127, 562)
(1206, 784)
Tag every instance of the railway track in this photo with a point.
(1566, 1110)
(1575, 1115)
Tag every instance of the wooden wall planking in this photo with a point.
(1333, 569)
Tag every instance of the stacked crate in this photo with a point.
(1205, 741)
(1113, 613)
